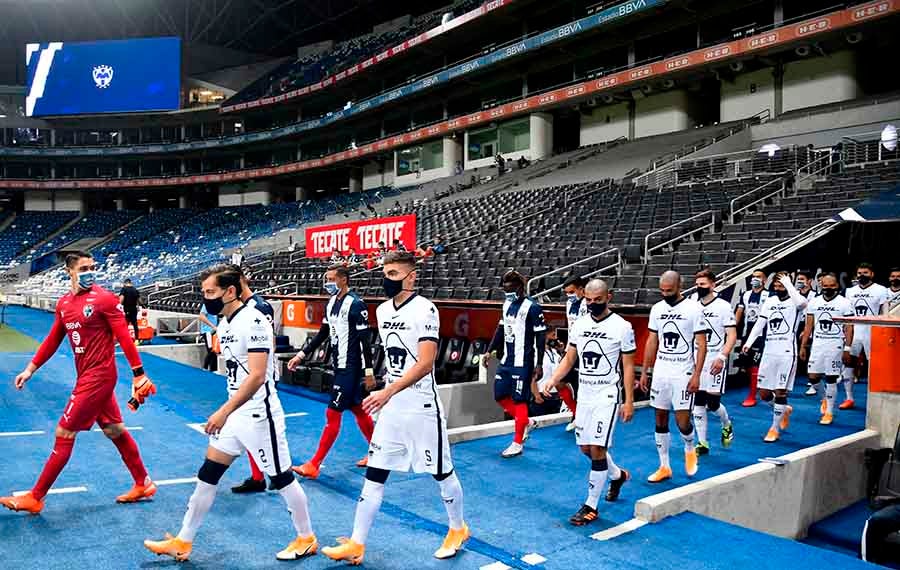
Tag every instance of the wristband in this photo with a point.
(139, 371)
(370, 372)
(847, 348)
(721, 356)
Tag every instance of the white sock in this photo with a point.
(818, 387)
(452, 495)
(663, 441)
(830, 395)
(199, 504)
(777, 412)
(614, 471)
(848, 387)
(368, 506)
(688, 439)
(298, 507)
(700, 423)
(596, 482)
(722, 412)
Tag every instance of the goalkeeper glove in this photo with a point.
(141, 389)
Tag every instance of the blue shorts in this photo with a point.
(513, 382)
(347, 391)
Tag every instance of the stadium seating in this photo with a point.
(95, 224)
(29, 229)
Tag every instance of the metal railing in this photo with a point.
(864, 148)
(648, 249)
(733, 210)
(167, 290)
(588, 259)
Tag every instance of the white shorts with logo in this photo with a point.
(862, 341)
(777, 371)
(263, 437)
(415, 442)
(595, 422)
(826, 360)
(671, 393)
(713, 383)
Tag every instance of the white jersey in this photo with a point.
(868, 302)
(718, 317)
(781, 326)
(575, 309)
(676, 326)
(600, 346)
(826, 333)
(751, 302)
(401, 329)
(893, 299)
(246, 331)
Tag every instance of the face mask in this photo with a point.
(392, 287)
(802, 284)
(671, 299)
(756, 283)
(829, 293)
(511, 297)
(573, 297)
(214, 306)
(702, 292)
(781, 295)
(596, 309)
(87, 279)
(864, 280)
(331, 288)
(895, 283)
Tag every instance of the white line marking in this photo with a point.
(201, 427)
(619, 530)
(55, 491)
(176, 481)
(18, 433)
(495, 566)
(534, 558)
(296, 414)
(129, 428)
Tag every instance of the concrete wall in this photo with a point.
(190, 354)
(823, 129)
(372, 178)
(541, 135)
(883, 416)
(662, 113)
(605, 123)
(746, 95)
(737, 142)
(452, 152)
(240, 195)
(820, 80)
(780, 500)
(54, 201)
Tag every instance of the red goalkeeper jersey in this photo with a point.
(93, 320)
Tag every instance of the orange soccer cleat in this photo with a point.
(309, 470)
(138, 493)
(823, 407)
(346, 550)
(25, 502)
(300, 547)
(453, 542)
(826, 419)
(690, 463)
(786, 417)
(772, 436)
(172, 546)
(846, 405)
(660, 475)
(364, 462)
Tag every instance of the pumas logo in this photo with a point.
(103, 76)
(396, 360)
(778, 324)
(827, 326)
(862, 309)
(87, 311)
(594, 361)
(672, 340)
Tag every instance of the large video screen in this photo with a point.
(118, 76)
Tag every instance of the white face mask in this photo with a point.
(331, 288)
(571, 297)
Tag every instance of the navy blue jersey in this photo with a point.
(522, 319)
(347, 320)
(263, 307)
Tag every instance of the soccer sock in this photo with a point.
(255, 472)
(722, 412)
(565, 392)
(830, 395)
(700, 422)
(452, 494)
(128, 449)
(298, 507)
(848, 387)
(663, 441)
(688, 439)
(366, 509)
(508, 406)
(521, 410)
(62, 450)
(596, 481)
(754, 381)
(200, 503)
(817, 386)
(364, 421)
(777, 412)
(329, 435)
(769, 398)
(614, 471)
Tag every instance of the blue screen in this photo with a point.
(120, 76)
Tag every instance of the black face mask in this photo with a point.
(702, 292)
(392, 287)
(895, 283)
(596, 309)
(829, 293)
(783, 295)
(863, 279)
(216, 306)
(671, 299)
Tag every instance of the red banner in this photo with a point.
(363, 236)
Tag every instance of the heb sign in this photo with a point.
(362, 236)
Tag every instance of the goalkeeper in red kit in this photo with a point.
(92, 318)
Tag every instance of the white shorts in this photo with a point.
(826, 360)
(777, 371)
(670, 393)
(263, 438)
(862, 341)
(596, 422)
(415, 442)
(713, 383)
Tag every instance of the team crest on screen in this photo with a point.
(103, 76)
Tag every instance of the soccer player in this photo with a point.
(130, 298)
(521, 332)
(575, 309)
(721, 336)
(745, 315)
(894, 289)
(346, 322)
(778, 366)
(831, 348)
(252, 419)
(868, 299)
(93, 320)
(679, 358)
(411, 433)
(604, 344)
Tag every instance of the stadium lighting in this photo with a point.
(770, 149)
(889, 137)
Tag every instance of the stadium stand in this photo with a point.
(29, 229)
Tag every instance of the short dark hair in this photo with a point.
(865, 265)
(894, 270)
(73, 257)
(127, 281)
(805, 273)
(759, 271)
(340, 270)
(513, 276)
(235, 268)
(831, 274)
(575, 280)
(705, 273)
(402, 257)
(226, 276)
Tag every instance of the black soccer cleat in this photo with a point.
(615, 486)
(585, 515)
(250, 485)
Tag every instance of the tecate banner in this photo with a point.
(363, 236)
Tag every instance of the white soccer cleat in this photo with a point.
(511, 451)
(811, 391)
(532, 424)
